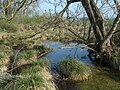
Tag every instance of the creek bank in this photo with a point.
(24, 55)
(102, 79)
(24, 69)
(69, 64)
(34, 77)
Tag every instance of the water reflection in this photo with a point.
(59, 54)
(102, 79)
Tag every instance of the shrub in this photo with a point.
(30, 20)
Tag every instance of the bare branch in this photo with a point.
(117, 6)
(83, 47)
(113, 28)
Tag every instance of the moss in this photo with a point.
(102, 80)
(115, 62)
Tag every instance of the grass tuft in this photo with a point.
(74, 70)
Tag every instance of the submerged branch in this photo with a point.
(83, 47)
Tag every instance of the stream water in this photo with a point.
(58, 54)
(102, 79)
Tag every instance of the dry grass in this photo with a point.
(35, 77)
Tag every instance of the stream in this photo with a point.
(58, 54)
(103, 79)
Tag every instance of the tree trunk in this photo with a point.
(93, 20)
(110, 33)
(104, 46)
(7, 7)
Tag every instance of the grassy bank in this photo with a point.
(20, 66)
(35, 77)
(25, 26)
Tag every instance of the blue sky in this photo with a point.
(46, 7)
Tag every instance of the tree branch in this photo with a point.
(113, 28)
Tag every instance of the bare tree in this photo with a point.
(12, 7)
(104, 45)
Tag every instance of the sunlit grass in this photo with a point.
(26, 54)
(35, 77)
(36, 67)
(32, 82)
(74, 70)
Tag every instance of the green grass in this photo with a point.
(36, 67)
(5, 52)
(74, 70)
(7, 27)
(101, 80)
(31, 78)
(26, 54)
(72, 65)
(33, 82)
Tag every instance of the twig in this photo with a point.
(42, 54)
(15, 58)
